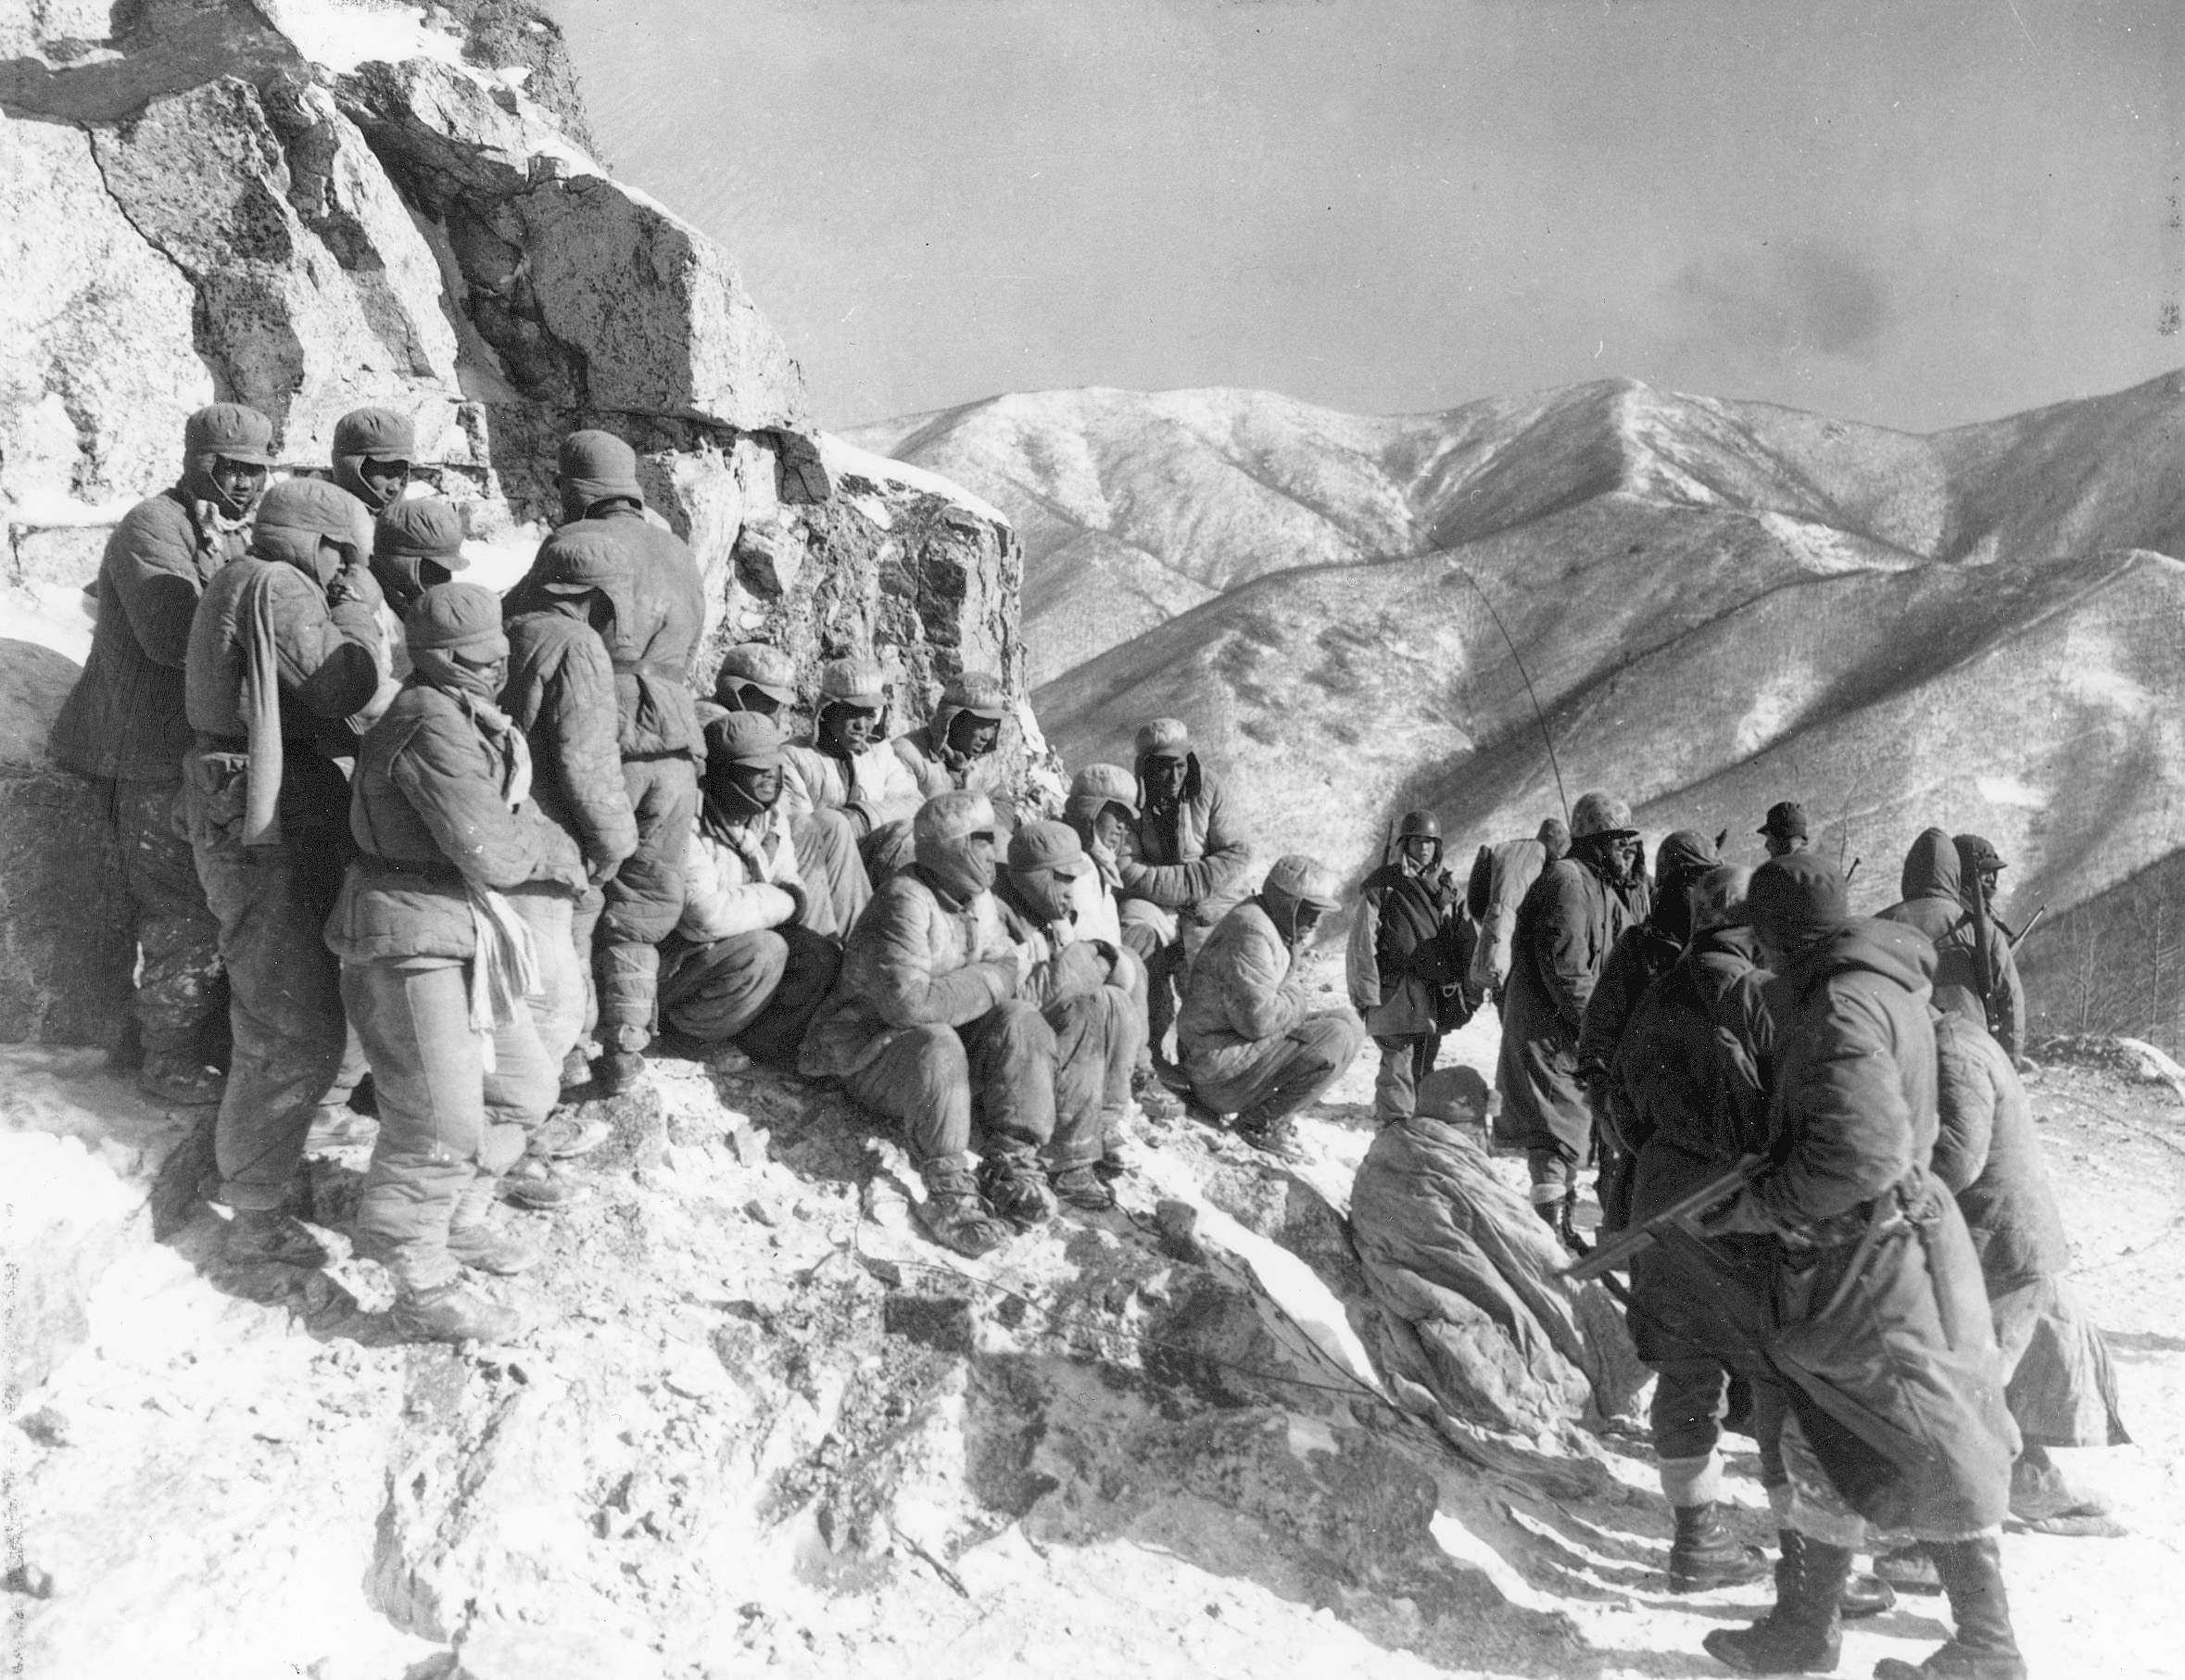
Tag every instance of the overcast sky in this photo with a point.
(1907, 212)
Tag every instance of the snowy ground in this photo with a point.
(206, 1481)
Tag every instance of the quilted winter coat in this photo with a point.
(1192, 862)
(1935, 900)
(560, 692)
(429, 814)
(1243, 990)
(916, 958)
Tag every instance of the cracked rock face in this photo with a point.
(192, 209)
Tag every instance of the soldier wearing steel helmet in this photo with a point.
(1409, 961)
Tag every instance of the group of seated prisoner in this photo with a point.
(395, 842)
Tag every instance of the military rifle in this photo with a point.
(1684, 1214)
(2023, 933)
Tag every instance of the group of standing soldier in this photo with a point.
(1881, 1302)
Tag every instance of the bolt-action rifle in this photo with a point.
(1684, 1215)
(2023, 933)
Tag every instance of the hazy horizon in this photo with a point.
(1916, 216)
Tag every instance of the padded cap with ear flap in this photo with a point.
(951, 816)
(757, 665)
(744, 738)
(1098, 785)
(232, 430)
(374, 434)
(979, 693)
(452, 615)
(1305, 880)
(854, 682)
(1163, 738)
(1048, 845)
(427, 528)
(598, 466)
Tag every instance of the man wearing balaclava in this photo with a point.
(1877, 1311)
(928, 1022)
(452, 919)
(849, 765)
(1639, 958)
(742, 967)
(649, 614)
(1251, 1043)
(1571, 919)
(1082, 985)
(122, 726)
(283, 646)
(759, 678)
(1184, 864)
(1947, 890)
(372, 450)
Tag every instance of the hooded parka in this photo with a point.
(1975, 975)
(2060, 1382)
(1882, 1332)
(1501, 875)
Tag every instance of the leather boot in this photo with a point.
(1706, 1555)
(1909, 1569)
(1984, 1647)
(1867, 1596)
(1566, 1227)
(954, 1215)
(1803, 1632)
(181, 1077)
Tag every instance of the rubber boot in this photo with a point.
(1015, 1187)
(1984, 1647)
(1706, 1555)
(1803, 1632)
(452, 1312)
(954, 1215)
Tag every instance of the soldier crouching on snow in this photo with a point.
(1252, 1046)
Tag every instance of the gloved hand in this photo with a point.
(354, 582)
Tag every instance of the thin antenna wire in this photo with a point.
(1538, 717)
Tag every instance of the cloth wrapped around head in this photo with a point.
(954, 834)
(455, 640)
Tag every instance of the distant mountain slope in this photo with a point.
(1719, 605)
(1222, 487)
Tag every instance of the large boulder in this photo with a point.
(211, 198)
(67, 943)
